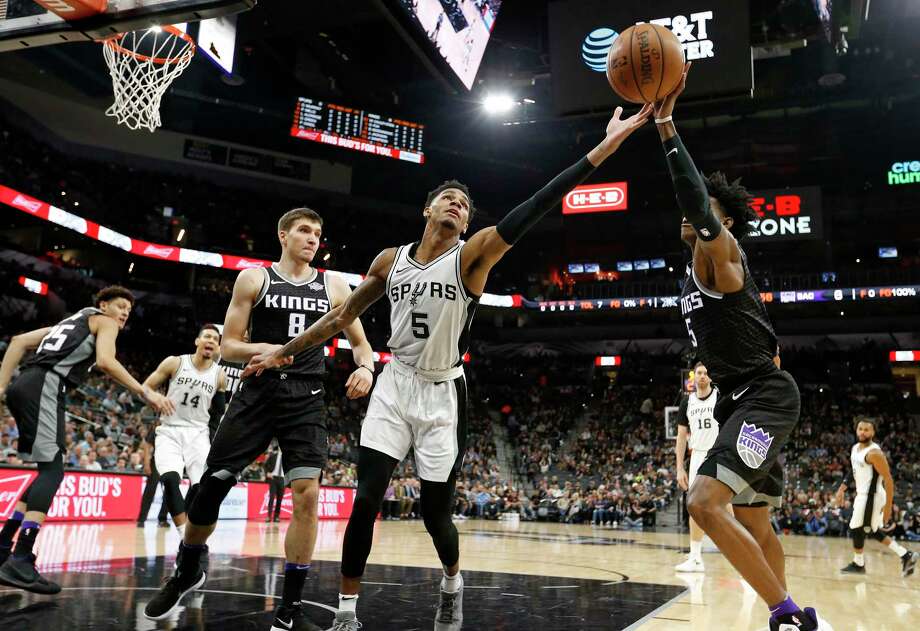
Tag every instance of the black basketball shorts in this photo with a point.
(36, 400)
(755, 421)
(265, 407)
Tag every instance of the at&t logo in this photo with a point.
(596, 46)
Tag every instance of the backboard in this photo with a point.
(27, 24)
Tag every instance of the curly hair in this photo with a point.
(112, 292)
(460, 186)
(866, 419)
(734, 200)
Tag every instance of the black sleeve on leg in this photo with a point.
(374, 472)
(437, 502)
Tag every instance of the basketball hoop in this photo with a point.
(143, 64)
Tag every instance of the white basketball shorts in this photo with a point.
(182, 448)
(696, 459)
(406, 411)
(878, 510)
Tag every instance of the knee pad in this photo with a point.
(212, 490)
(172, 496)
(859, 538)
(878, 535)
(41, 491)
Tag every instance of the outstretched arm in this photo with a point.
(163, 373)
(718, 244)
(488, 246)
(367, 293)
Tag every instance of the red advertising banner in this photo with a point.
(88, 496)
(82, 496)
(595, 198)
(334, 502)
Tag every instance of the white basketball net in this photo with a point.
(143, 64)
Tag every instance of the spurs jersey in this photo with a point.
(864, 474)
(697, 415)
(191, 391)
(731, 333)
(430, 312)
(69, 349)
(286, 309)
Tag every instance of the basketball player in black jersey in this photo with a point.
(759, 406)
(273, 305)
(462, 272)
(64, 355)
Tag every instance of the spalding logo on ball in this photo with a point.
(596, 46)
(645, 63)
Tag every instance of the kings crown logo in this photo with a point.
(753, 445)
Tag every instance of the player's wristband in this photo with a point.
(371, 370)
(662, 121)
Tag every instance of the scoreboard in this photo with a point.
(358, 130)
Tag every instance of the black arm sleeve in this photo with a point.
(218, 407)
(692, 197)
(513, 226)
(682, 413)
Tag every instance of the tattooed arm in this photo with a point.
(338, 319)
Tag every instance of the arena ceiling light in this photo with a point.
(498, 103)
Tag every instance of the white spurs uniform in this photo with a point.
(419, 399)
(869, 488)
(182, 438)
(698, 418)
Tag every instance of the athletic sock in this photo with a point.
(26, 539)
(785, 608)
(295, 575)
(696, 550)
(348, 602)
(9, 530)
(859, 559)
(897, 548)
(451, 584)
(190, 558)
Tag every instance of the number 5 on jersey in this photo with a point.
(420, 325)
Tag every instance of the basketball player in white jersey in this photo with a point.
(419, 401)
(874, 485)
(697, 428)
(196, 388)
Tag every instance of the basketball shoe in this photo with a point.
(908, 563)
(691, 565)
(807, 620)
(449, 616)
(292, 619)
(20, 572)
(345, 621)
(854, 568)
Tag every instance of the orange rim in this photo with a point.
(113, 43)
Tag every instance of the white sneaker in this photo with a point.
(690, 565)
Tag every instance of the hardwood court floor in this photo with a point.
(520, 576)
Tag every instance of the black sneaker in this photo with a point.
(167, 599)
(852, 568)
(20, 572)
(908, 563)
(806, 620)
(292, 619)
(449, 616)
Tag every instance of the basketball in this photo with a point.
(645, 63)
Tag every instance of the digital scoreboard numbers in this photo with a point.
(358, 130)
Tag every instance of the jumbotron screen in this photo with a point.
(358, 130)
(458, 30)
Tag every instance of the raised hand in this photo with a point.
(665, 107)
